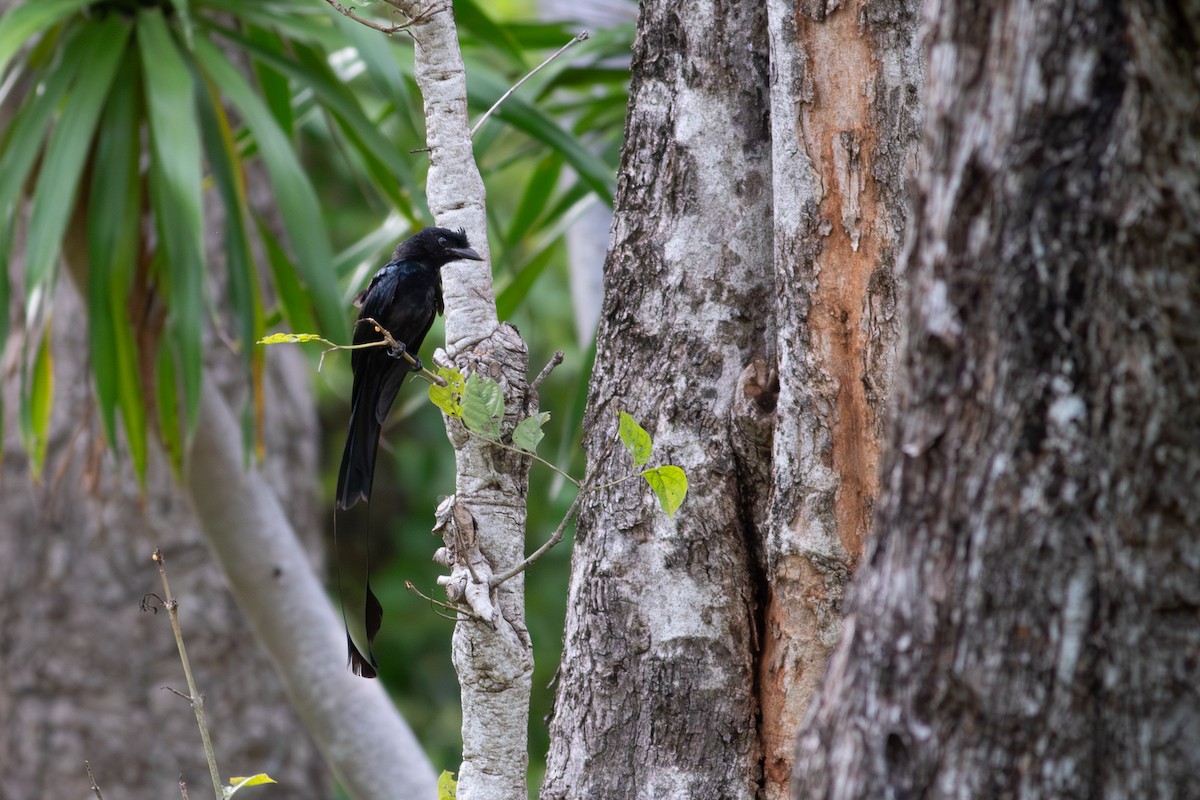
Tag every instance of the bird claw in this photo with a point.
(398, 351)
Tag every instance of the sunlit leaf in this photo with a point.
(670, 486)
(27, 20)
(449, 397)
(483, 406)
(635, 439)
(37, 404)
(528, 433)
(292, 338)
(254, 780)
(447, 787)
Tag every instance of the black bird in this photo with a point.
(403, 297)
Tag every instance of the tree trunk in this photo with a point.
(1026, 623)
(748, 325)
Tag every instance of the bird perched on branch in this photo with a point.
(403, 298)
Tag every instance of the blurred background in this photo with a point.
(115, 116)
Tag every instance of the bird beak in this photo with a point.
(465, 253)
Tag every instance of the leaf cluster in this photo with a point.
(137, 128)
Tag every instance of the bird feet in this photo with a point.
(400, 350)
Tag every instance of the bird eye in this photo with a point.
(442, 241)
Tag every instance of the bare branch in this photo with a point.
(579, 37)
(196, 699)
(554, 539)
(555, 360)
(92, 778)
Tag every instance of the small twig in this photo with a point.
(196, 700)
(611, 484)
(464, 610)
(519, 451)
(176, 691)
(92, 778)
(555, 360)
(579, 37)
(388, 29)
(407, 356)
(554, 539)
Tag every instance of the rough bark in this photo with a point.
(1025, 625)
(845, 116)
(656, 694)
(749, 321)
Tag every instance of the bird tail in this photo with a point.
(358, 458)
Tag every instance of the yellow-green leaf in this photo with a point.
(292, 338)
(669, 484)
(635, 439)
(449, 397)
(41, 394)
(254, 780)
(447, 787)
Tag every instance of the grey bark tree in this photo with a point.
(749, 324)
(1026, 622)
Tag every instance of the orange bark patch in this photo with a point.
(837, 132)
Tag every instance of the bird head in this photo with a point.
(437, 246)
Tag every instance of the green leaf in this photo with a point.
(27, 132)
(100, 47)
(6, 237)
(635, 439)
(669, 484)
(166, 396)
(528, 433)
(37, 405)
(296, 307)
(534, 199)
(254, 780)
(294, 192)
(449, 397)
(483, 406)
(113, 234)
(447, 787)
(27, 20)
(513, 293)
(175, 191)
(472, 19)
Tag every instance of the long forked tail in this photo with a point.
(358, 457)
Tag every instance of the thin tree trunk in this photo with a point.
(494, 665)
(1026, 623)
